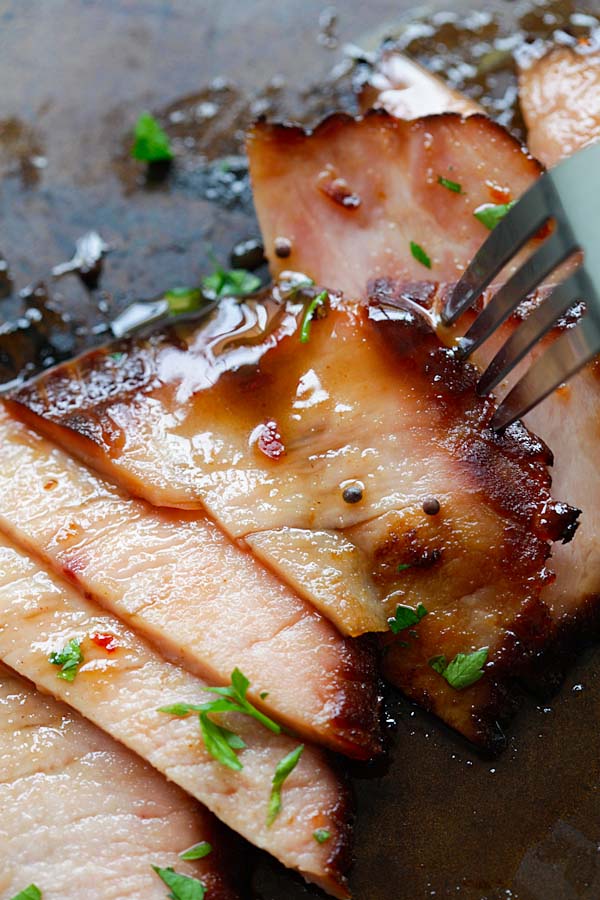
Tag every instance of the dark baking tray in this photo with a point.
(434, 820)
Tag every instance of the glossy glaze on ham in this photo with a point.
(121, 692)
(559, 96)
(177, 580)
(66, 824)
(403, 421)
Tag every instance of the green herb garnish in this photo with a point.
(221, 742)
(312, 307)
(151, 144)
(406, 617)
(198, 851)
(490, 214)
(182, 887)
(321, 835)
(263, 695)
(403, 566)
(284, 768)
(69, 659)
(453, 186)
(464, 670)
(116, 356)
(184, 299)
(230, 283)
(30, 893)
(419, 254)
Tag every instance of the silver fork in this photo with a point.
(569, 195)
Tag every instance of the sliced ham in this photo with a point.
(203, 601)
(568, 421)
(409, 430)
(121, 692)
(408, 90)
(560, 101)
(394, 168)
(78, 809)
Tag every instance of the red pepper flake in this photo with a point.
(498, 193)
(545, 231)
(269, 440)
(107, 641)
(337, 188)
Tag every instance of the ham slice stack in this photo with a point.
(267, 491)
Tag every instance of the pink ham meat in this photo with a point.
(560, 100)
(408, 90)
(69, 823)
(121, 692)
(204, 602)
(393, 168)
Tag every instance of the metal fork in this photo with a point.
(570, 196)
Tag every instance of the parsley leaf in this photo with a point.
(403, 566)
(182, 887)
(312, 307)
(406, 617)
(230, 283)
(420, 255)
(490, 214)
(284, 768)
(453, 186)
(198, 851)
(30, 893)
(321, 835)
(220, 741)
(69, 659)
(151, 144)
(184, 299)
(464, 670)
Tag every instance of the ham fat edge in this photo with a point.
(121, 692)
(66, 822)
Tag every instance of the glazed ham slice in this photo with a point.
(68, 823)
(176, 579)
(121, 690)
(408, 90)
(560, 101)
(393, 168)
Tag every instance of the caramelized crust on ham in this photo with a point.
(68, 822)
(560, 101)
(121, 692)
(393, 166)
(404, 422)
(177, 580)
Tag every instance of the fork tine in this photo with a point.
(509, 235)
(535, 326)
(539, 265)
(569, 353)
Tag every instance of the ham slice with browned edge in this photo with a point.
(176, 579)
(69, 824)
(121, 691)
(559, 96)
(403, 421)
(568, 421)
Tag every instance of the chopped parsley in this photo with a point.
(182, 887)
(30, 893)
(230, 283)
(69, 659)
(284, 768)
(263, 695)
(406, 617)
(116, 356)
(490, 213)
(198, 851)
(184, 299)
(220, 742)
(312, 307)
(420, 255)
(464, 670)
(404, 566)
(321, 835)
(453, 186)
(151, 144)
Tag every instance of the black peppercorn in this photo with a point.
(352, 494)
(431, 506)
(283, 247)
